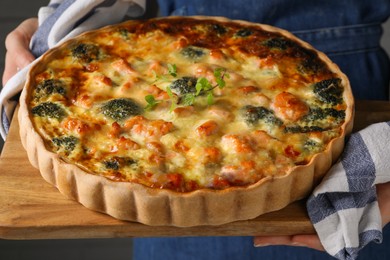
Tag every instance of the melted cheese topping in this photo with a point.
(280, 104)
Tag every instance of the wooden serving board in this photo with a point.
(30, 208)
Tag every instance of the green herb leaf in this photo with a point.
(152, 102)
(158, 77)
(150, 99)
(173, 99)
(210, 98)
(202, 85)
(221, 83)
(220, 74)
(169, 92)
(189, 99)
(172, 70)
(217, 72)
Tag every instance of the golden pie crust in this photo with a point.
(153, 206)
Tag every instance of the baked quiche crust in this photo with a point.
(200, 205)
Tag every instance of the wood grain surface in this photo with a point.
(30, 208)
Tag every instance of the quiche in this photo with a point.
(185, 121)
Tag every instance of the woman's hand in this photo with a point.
(313, 241)
(18, 54)
(383, 195)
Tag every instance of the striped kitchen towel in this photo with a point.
(59, 21)
(344, 208)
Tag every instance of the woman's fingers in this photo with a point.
(383, 195)
(18, 54)
(311, 241)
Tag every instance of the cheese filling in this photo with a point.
(184, 105)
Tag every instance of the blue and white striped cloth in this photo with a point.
(343, 208)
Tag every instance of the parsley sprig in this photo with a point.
(203, 87)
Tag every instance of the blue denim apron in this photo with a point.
(349, 32)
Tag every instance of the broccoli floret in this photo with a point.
(311, 145)
(338, 114)
(48, 87)
(121, 108)
(329, 91)
(86, 52)
(217, 28)
(303, 129)
(116, 162)
(111, 164)
(317, 113)
(278, 43)
(184, 85)
(252, 115)
(49, 109)
(66, 143)
(309, 66)
(124, 33)
(312, 121)
(244, 32)
(193, 53)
